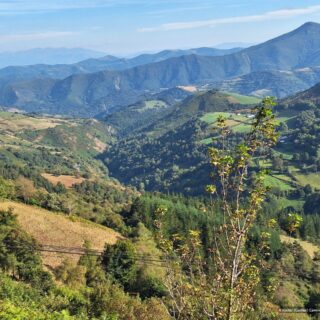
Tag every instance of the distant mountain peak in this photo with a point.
(109, 57)
(310, 24)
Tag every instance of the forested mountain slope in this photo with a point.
(89, 94)
(277, 83)
(15, 73)
(170, 152)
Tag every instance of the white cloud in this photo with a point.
(35, 36)
(271, 15)
(15, 7)
(178, 9)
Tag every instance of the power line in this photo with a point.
(140, 258)
(76, 250)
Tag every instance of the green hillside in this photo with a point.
(145, 155)
(174, 185)
(54, 145)
(168, 153)
(99, 239)
(278, 83)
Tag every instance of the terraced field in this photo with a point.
(236, 121)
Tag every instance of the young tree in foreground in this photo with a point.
(228, 291)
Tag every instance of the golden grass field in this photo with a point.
(66, 180)
(310, 248)
(50, 228)
(17, 122)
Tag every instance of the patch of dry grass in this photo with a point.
(50, 228)
(66, 180)
(98, 144)
(17, 122)
(310, 248)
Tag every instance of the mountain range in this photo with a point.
(90, 94)
(47, 56)
(90, 63)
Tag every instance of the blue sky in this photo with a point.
(132, 26)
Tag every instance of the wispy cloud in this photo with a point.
(271, 15)
(16, 7)
(35, 36)
(178, 10)
(177, 6)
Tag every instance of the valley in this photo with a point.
(167, 185)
